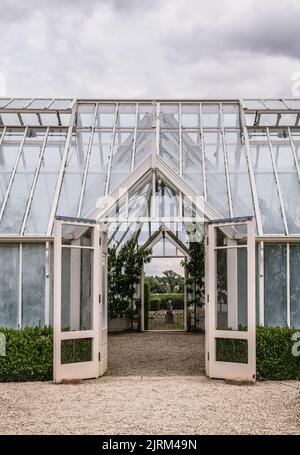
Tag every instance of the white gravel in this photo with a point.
(147, 404)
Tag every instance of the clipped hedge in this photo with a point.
(275, 360)
(28, 355)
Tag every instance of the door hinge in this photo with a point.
(99, 356)
(207, 298)
(100, 241)
(99, 298)
(208, 356)
(207, 240)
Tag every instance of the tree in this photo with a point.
(172, 279)
(124, 273)
(195, 267)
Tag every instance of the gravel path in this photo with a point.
(147, 404)
(156, 354)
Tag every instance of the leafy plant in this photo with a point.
(195, 267)
(124, 273)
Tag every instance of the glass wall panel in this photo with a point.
(267, 190)
(145, 143)
(8, 154)
(85, 115)
(106, 116)
(231, 115)
(289, 183)
(215, 173)
(146, 116)
(16, 204)
(126, 115)
(275, 286)
(122, 158)
(169, 116)
(97, 171)
(192, 162)
(239, 175)
(169, 148)
(73, 176)
(33, 286)
(43, 195)
(190, 116)
(211, 117)
(9, 285)
(295, 285)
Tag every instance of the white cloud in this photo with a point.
(150, 49)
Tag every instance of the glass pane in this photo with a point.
(145, 143)
(295, 285)
(39, 104)
(169, 115)
(231, 115)
(9, 285)
(239, 175)
(122, 159)
(106, 116)
(77, 289)
(43, 195)
(146, 116)
(169, 148)
(215, 173)
(211, 116)
(126, 116)
(231, 351)
(33, 309)
(16, 204)
(77, 235)
(60, 104)
(267, 190)
(190, 116)
(97, 171)
(71, 186)
(8, 154)
(275, 286)
(76, 351)
(192, 161)
(290, 185)
(232, 288)
(85, 115)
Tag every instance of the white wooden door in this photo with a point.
(77, 299)
(230, 299)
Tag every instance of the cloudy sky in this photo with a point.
(150, 48)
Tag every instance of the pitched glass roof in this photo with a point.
(61, 156)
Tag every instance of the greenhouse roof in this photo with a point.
(65, 156)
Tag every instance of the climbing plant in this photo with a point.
(124, 273)
(195, 268)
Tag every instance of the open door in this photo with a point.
(78, 303)
(230, 299)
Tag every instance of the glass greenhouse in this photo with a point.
(141, 166)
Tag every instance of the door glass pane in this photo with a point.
(122, 158)
(192, 161)
(76, 351)
(275, 286)
(231, 350)
(77, 289)
(232, 287)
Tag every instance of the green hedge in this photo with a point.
(275, 360)
(28, 355)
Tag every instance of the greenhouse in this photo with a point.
(79, 177)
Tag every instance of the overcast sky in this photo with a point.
(150, 48)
